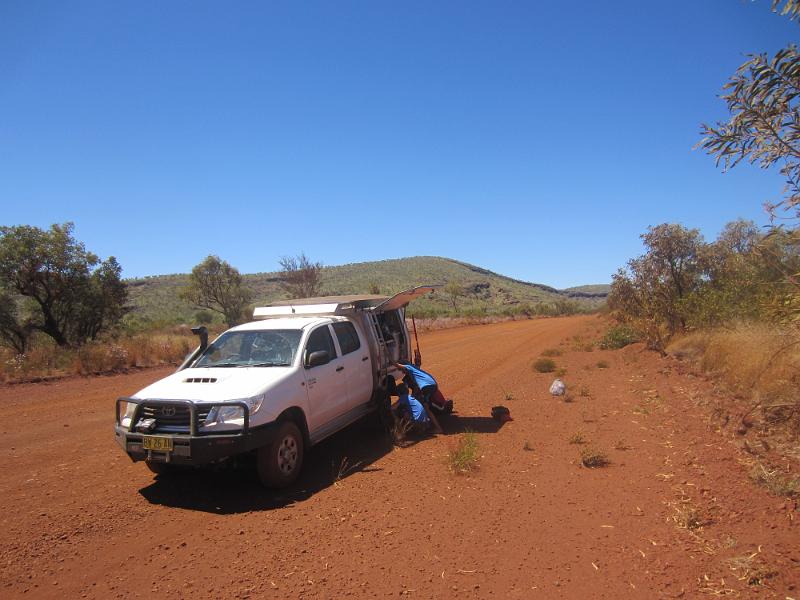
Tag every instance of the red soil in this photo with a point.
(80, 520)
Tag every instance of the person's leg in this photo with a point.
(427, 392)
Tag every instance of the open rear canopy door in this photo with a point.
(403, 298)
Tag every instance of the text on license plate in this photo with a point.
(161, 444)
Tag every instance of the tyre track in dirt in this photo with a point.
(366, 520)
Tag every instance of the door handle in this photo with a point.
(339, 369)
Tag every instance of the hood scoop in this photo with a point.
(200, 380)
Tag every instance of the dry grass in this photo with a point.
(777, 483)
(399, 431)
(551, 352)
(577, 438)
(759, 363)
(345, 468)
(685, 515)
(602, 364)
(751, 568)
(463, 458)
(141, 350)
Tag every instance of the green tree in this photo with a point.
(791, 8)
(203, 317)
(15, 330)
(454, 291)
(52, 284)
(651, 292)
(735, 278)
(216, 285)
(300, 278)
(763, 98)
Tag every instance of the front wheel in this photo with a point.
(160, 468)
(279, 462)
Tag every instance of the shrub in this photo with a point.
(619, 336)
(601, 364)
(552, 352)
(544, 365)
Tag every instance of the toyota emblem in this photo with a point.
(168, 411)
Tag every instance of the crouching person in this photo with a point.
(411, 410)
(423, 385)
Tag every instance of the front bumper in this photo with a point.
(191, 448)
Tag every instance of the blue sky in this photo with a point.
(536, 139)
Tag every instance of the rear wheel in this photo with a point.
(383, 411)
(279, 462)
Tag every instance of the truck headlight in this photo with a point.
(224, 414)
(126, 410)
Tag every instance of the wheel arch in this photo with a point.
(296, 414)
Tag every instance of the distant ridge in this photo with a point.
(156, 298)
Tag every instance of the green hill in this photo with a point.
(156, 300)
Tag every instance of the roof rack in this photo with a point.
(337, 305)
(323, 305)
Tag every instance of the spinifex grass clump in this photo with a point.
(593, 459)
(464, 457)
(577, 438)
(544, 365)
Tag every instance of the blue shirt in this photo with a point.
(422, 378)
(414, 408)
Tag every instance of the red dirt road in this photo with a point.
(80, 520)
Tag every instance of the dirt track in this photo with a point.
(80, 520)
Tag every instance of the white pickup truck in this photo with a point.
(301, 371)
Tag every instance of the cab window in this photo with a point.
(347, 336)
(320, 339)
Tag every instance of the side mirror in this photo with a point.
(315, 359)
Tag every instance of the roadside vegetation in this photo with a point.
(732, 305)
(63, 311)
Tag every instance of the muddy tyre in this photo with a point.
(279, 462)
(383, 413)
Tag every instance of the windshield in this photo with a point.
(274, 348)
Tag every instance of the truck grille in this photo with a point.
(172, 418)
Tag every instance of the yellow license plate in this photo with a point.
(160, 444)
